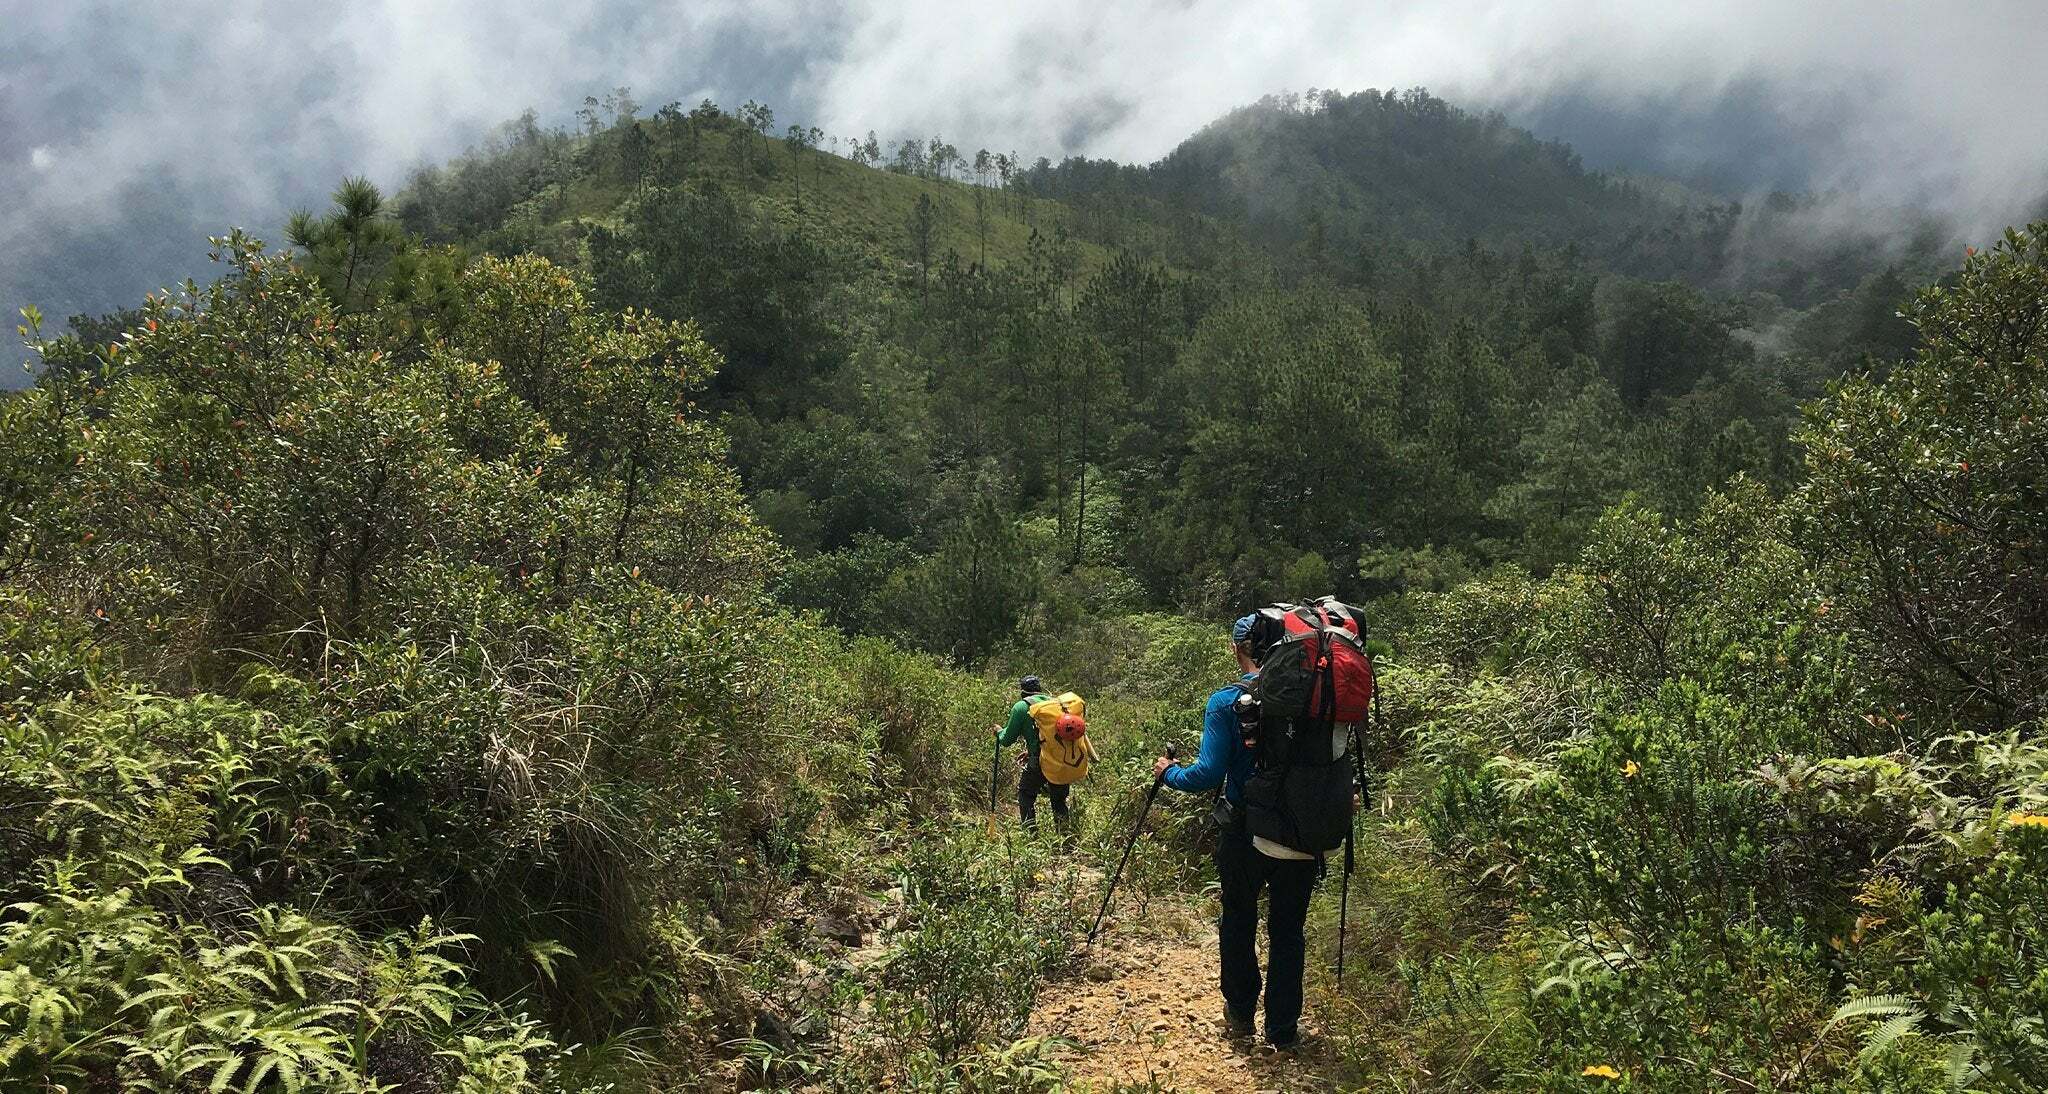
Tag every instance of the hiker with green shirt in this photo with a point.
(1071, 748)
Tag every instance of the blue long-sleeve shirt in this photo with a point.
(1223, 757)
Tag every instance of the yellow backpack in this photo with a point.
(1063, 749)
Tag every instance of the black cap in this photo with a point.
(1031, 685)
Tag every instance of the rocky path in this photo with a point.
(1145, 1012)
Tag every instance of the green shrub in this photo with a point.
(1964, 972)
(1924, 489)
(968, 970)
(1707, 1006)
(147, 949)
(44, 656)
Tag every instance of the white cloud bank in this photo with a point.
(150, 123)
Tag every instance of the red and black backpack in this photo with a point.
(1315, 687)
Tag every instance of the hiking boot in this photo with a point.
(1235, 1027)
(1292, 1041)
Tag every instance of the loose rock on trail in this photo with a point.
(1147, 1010)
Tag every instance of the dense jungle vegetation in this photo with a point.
(539, 633)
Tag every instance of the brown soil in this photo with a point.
(1147, 1011)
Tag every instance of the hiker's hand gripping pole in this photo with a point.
(1158, 781)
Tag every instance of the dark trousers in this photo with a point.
(1030, 784)
(1242, 870)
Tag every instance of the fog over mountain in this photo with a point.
(133, 131)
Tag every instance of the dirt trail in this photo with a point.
(1146, 1010)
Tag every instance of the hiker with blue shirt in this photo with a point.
(1247, 864)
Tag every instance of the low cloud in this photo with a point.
(149, 126)
(1909, 103)
(156, 125)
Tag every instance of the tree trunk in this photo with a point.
(1081, 480)
(626, 507)
(348, 282)
(1059, 467)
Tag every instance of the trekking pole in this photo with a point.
(995, 776)
(1110, 891)
(1358, 780)
(1344, 907)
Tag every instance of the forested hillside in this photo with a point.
(1341, 180)
(539, 633)
(1112, 351)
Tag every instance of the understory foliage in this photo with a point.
(392, 703)
(1754, 800)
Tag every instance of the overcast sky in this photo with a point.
(130, 130)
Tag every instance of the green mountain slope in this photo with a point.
(541, 191)
(1339, 180)
(1097, 349)
(1401, 166)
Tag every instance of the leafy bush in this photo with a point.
(324, 623)
(968, 971)
(148, 948)
(1924, 491)
(1767, 783)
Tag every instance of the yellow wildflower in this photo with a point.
(1631, 769)
(2031, 820)
(1605, 1071)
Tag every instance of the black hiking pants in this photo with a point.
(1243, 871)
(1031, 782)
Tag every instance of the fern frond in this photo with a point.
(1960, 1064)
(1870, 1006)
(1893, 1029)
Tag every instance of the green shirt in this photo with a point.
(1021, 727)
